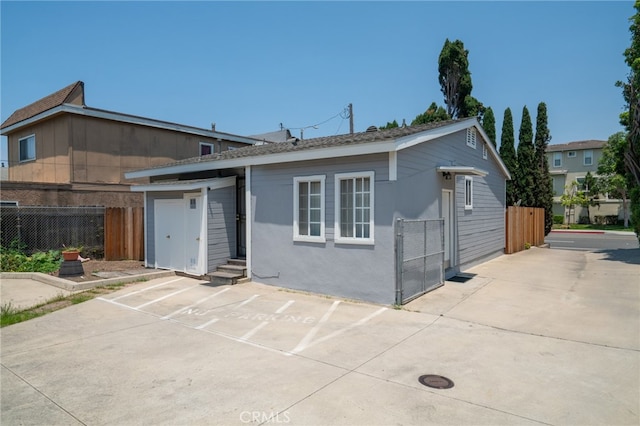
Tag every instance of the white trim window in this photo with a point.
(571, 154)
(206, 148)
(557, 159)
(588, 157)
(308, 209)
(468, 192)
(484, 151)
(354, 212)
(471, 137)
(27, 148)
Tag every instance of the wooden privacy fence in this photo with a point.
(524, 225)
(124, 233)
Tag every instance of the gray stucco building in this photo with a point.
(322, 214)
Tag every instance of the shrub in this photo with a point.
(584, 220)
(558, 219)
(14, 260)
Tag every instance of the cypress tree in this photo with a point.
(508, 154)
(543, 190)
(489, 125)
(526, 158)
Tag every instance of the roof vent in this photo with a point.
(372, 129)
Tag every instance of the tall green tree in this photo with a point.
(454, 76)
(612, 171)
(489, 125)
(526, 158)
(390, 125)
(432, 114)
(508, 154)
(631, 118)
(543, 188)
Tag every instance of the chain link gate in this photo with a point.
(419, 257)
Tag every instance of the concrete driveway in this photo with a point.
(539, 337)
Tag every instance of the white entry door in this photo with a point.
(178, 234)
(169, 234)
(447, 214)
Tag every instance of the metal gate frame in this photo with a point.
(429, 257)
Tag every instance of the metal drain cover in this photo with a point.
(435, 381)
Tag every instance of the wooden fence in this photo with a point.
(524, 225)
(124, 233)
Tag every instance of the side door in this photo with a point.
(169, 234)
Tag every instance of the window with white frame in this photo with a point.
(27, 148)
(557, 159)
(468, 192)
(484, 151)
(471, 137)
(354, 212)
(206, 148)
(588, 157)
(571, 154)
(308, 208)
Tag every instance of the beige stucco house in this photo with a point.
(64, 153)
(570, 162)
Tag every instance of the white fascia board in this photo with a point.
(285, 157)
(131, 119)
(34, 119)
(186, 186)
(428, 135)
(463, 170)
(124, 118)
(493, 150)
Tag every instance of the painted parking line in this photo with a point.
(147, 289)
(257, 328)
(188, 308)
(311, 334)
(166, 296)
(221, 319)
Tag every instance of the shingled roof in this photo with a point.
(73, 93)
(575, 146)
(310, 144)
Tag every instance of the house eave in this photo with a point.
(287, 157)
(125, 118)
(210, 184)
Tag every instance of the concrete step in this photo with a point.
(233, 269)
(239, 262)
(224, 278)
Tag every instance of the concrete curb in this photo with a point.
(74, 286)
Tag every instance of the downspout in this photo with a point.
(204, 231)
(249, 217)
(145, 228)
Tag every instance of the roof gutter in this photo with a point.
(125, 118)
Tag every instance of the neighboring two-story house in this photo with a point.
(64, 153)
(570, 162)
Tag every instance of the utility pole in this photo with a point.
(351, 118)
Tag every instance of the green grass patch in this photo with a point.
(9, 314)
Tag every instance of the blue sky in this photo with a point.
(249, 66)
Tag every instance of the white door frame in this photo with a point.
(447, 212)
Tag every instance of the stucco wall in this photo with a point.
(353, 271)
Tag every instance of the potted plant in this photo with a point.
(71, 253)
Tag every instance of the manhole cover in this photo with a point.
(435, 381)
